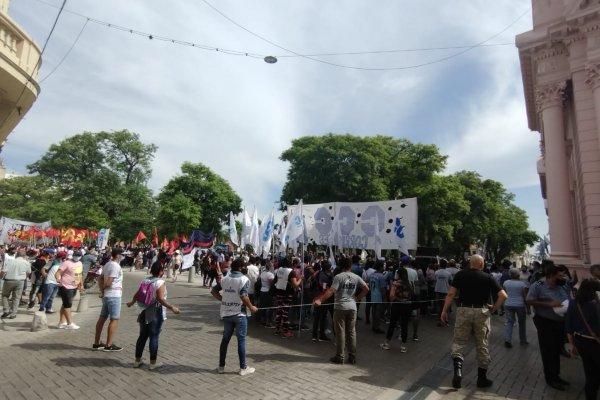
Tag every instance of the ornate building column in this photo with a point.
(593, 79)
(549, 101)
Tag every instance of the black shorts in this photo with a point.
(67, 296)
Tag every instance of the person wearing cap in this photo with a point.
(50, 287)
(111, 291)
(70, 280)
(37, 279)
(547, 297)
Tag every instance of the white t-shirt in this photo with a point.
(252, 276)
(50, 278)
(265, 277)
(113, 270)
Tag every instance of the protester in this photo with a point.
(583, 331)
(232, 292)
(345, 287)
(548, 297)
(70, 280)
(472, 317)
(111, 291)
(378, 289)
(323, 282)
(50, 287)
(151, 316)
(515, 304)
(37, 279)
(266, 299)
(285, 282)
(401, 295)
(15, 273)
(443, 278)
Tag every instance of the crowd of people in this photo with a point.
(287, 294)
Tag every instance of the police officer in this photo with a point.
(475, 288)
(547, 297)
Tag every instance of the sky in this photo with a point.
(237, 114)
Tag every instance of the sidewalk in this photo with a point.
(60, 364)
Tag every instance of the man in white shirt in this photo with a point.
(252, 273)
(111, 291)
(16, 271)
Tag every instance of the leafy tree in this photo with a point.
(101, 178)
(198, 198)
(352, 168)
(30, 198)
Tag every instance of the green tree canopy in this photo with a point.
(455, 211)
(196, 199)
(101, 180)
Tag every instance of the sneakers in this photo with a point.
(62, 325)
(72, 326)
(315, 339)
(403, 349)
(247, 371)
(99, 346)
(508, 345)
(221, 370)
(137, 364)
(50, 311)
(113, 347)
(384, 346)
(416, 338)
(4, 315)
(351, 359)
(154, 365)
(336, 360)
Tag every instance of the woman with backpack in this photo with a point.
(151, 299)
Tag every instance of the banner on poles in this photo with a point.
(10, 228)
(358, 225)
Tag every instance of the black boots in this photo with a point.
(457, 378)
(482, 380)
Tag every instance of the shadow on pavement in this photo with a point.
(49, 346)
(89, 362)
(285, 357)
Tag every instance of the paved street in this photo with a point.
(60, 364)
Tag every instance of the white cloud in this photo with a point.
(238, 114)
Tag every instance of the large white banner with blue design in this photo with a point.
(359, 225)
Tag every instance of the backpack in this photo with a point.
(145, 294)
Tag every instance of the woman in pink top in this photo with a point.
(68, 277)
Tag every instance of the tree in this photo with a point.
(30, 198)
(101, 178)
(196, 199)
(352, 168)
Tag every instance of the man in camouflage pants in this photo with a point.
(474, 288)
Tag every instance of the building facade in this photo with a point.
(19, 66)
(560, 65)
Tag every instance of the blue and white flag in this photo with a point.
(233, 235)
(295, 228)
(282, 235)
(266, 233)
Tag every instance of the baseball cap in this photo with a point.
(77, 253)
(61, 254)
(406, 259)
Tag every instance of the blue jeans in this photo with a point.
(149, 331)
(240, 324)
(49, 291)
(510, 320)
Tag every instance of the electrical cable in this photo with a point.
(37, 64)
(66, 54)
(365, 68)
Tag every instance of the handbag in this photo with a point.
(587, 325)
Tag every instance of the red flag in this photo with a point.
(140, 236)
(165, 244)
(184, 238)
(155, 237)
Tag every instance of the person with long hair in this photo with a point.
(583, 331)
(151, 317)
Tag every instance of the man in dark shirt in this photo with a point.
(472, 317)
(37, 279)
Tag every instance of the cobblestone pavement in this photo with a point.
(60, 364)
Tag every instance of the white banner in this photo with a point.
(102, 241)
(355, 224)
(9, 226)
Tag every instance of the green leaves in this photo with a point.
(198, 198)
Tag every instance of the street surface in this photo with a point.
(59, 364)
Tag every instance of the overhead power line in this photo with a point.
(291, 53)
